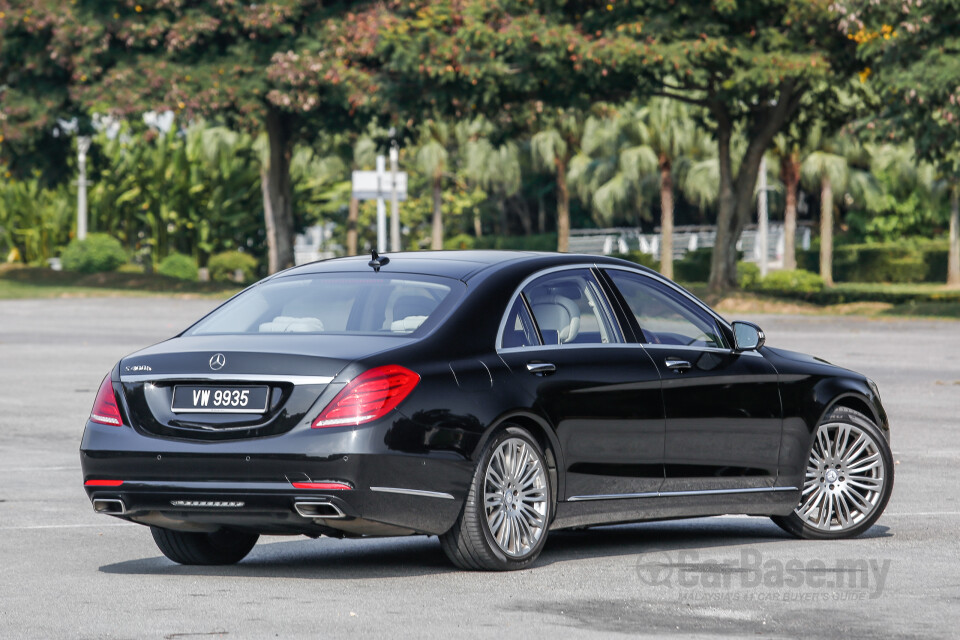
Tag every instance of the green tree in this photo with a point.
(910, 52)
(552, 147)
(433, 158)
(279, 68)
(748, 65)
(839, 168)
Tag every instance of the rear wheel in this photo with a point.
(848, 481)
(220, 547)
(503, 525)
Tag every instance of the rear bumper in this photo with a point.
(249, 484)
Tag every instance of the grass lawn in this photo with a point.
(38, 282)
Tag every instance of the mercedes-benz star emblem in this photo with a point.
(217, 361)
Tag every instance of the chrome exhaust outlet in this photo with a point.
(317, 509)
(109, 506)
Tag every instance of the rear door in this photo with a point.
(723, 413)
(563, 344)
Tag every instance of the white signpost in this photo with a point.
(379, 185)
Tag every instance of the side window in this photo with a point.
(518, 330)
(569, 309)
(665, 316)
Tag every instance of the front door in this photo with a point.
(723, 412)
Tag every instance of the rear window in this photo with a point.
(382, 304)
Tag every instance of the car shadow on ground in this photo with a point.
(419, 555)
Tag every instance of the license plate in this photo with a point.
(226, 399)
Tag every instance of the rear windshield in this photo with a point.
(397, 304)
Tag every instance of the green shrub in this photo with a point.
(459, 241)
(95, 254)
(224, 265)
(177, 265)
(640, 258)
(748, 275)
(907, 261)
(790, 282)
(695, 266)
(536, 242)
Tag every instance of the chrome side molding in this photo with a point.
(679, 494)
(413, 492)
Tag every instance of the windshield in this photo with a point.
(333, 303)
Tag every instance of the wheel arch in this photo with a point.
(541, 430)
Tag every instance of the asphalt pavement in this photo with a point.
(66, 572)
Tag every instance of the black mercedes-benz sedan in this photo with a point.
(482, 397)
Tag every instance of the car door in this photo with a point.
(562, 342)
(723, 411)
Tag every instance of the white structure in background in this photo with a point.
(763, 232)
(315, 243)
(83, 145)
(686, 239)
(379, 185)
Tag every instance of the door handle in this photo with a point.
(677, 365)
(541, 368)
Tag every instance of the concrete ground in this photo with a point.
(68, 573)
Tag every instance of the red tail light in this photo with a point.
(326, 486)
(369, 396)
(103, 483)
(105, 409)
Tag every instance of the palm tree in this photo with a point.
(674, 137)
(612, 170)
(494, 168)
(433, 159)
(787, 151)
(839, 167)
(552, 148)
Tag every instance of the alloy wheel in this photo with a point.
(844, 480)
(515, 497)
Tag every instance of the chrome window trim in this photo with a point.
(678, 494)
(233, 377)
(608, 310)
(673, 286)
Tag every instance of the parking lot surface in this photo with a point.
(66, 572)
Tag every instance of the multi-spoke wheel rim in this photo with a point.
(515, 497)
(845, 477)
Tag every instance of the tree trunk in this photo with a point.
(277, 194)
(723, 268)
(666, 218)
(735, 205)
(352, 214)
(541, 213)
(526, 219)
(563, 208)
(477, 224)
(790, 172)
(826, 231)
(953, 262)
(436, 242)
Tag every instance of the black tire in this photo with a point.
(471, 544)
(220, 547)
(796, 525)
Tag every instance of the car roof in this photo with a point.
(461, 265)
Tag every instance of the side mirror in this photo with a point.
(747, 336)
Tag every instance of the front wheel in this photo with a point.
(848, 481)
(503, 525)
(220, 547)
